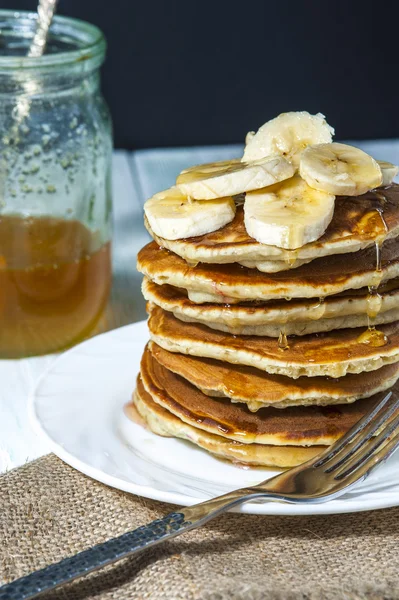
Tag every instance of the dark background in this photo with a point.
(202, 72)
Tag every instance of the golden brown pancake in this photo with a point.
(234, 283)
(164, 423)
(335, 353)
(298, 317)
(296, 425)
(356, 224)
(258, 389)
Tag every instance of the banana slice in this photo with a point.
(339, 169)
(232, 177)
(288, 135)
(389, 171)
(289, 214)
(173, 216)
(249, 137)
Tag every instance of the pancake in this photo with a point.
(357, 223)
(258, 389)
(302, 328)
(234, 283)
(296, 425)
(334, 354)
(299, 317)
(163, 423)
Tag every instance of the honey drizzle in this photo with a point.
(374, 301)
(291, 258)
(282, 340)
(318, 309)
(373, 336)
(378, 257)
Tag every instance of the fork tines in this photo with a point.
(373, 439)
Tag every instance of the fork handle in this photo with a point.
(117, 548)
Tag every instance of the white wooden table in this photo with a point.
(136, 176)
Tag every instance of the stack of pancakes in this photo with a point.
(273, 296)
(263, 355)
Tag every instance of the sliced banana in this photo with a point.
(389, 171)
(288, 135)
(173, 216)
(339, 169)
(289, 214)
(249, 137)
(232, 177)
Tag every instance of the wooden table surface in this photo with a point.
(136, 176)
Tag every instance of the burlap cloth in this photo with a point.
(50, 511)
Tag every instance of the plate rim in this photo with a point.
(179, 498)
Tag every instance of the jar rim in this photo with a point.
(89, 41)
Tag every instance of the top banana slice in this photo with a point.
(288, 135)
(232, 177)
(339, 169)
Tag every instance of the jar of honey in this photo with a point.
(55, 186)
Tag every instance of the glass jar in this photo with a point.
(55, 186)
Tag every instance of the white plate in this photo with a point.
(78, 406)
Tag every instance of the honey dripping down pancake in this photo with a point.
(299, 426)
(234, 283)
(258, 389)
(333, 354)
(358, 222)
(298, 317)
(164, 423)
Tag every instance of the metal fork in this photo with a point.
(369, 443)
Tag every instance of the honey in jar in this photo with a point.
(54, 281)
(55, 186)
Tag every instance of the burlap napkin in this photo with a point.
(50, 511)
